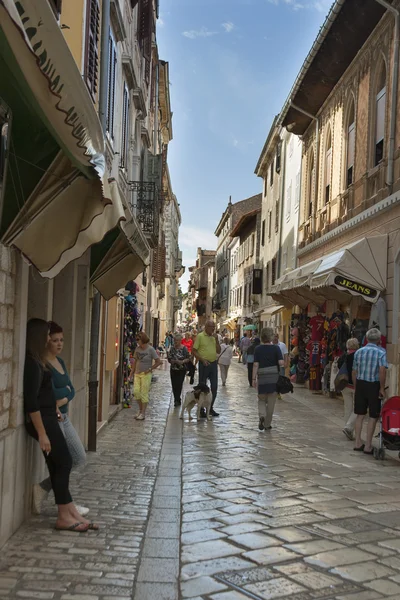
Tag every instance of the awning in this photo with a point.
(270, 311)
(359, 269)
(120, 257)
(57, 200)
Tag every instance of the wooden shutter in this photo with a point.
(145, 28)
(112, 66)
(125, 128)
(92, 45)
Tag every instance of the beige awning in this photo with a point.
(359, 269)
(72, 205)
(271, 311)
(127, 257)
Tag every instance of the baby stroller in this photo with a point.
(389, 432)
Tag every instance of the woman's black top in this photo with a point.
(38, 388)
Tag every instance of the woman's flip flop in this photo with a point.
(369, 451)
(74, 528)
(93, 526)
(360, 449)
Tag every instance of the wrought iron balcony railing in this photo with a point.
(146, 199)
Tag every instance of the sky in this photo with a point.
(232, 64)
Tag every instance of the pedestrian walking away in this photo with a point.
(347, 359)
(143, 368)
(225, 359)
(205, 349)
(64, 392)
(244, 344)
(369, 375)
(42, 423)
(250, 359)
(268, 361)
(179, 359)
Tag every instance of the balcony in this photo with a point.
(145, 201)
(201, 280)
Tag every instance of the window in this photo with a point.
(351, 142)
(5, 139)
(288, 202)
(56, 6)
(144, 278)
(145, 30)
(277, 211)
(252, 244)
(278, 157)
(291, 144)
(285, 257)
(310, 187)
(267, 277)
(298, 192)
(263, 233)
(273, 271)
(328, 166)
(380, 109)
(265, 186)
(125, 127)
(112, 66)
(269, 224)
(271, 174)
(91, 67)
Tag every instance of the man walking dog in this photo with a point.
(206, 349)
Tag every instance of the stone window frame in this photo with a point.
(351, 103)
(376, 70)
(328, 156)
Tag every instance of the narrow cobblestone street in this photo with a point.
(239, 513)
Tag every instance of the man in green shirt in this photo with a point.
(206, 349)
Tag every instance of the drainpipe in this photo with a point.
(395, 81)
(316, 120)
(93, 383)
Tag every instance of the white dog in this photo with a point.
(201, 396)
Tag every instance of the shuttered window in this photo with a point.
(92, 46)
(380, 125)
(351, 142)
(145, 28)
(288, 202)
(112, 67)
(298, 192)
(125, 127)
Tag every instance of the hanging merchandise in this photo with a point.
(131, 329)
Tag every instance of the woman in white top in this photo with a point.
(225, 358)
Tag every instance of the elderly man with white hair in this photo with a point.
(369, 375)
(206, 349)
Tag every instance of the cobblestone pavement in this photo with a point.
(289, 513)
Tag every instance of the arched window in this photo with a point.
(328, 165)
(350, 144)
(310, 186)
(380, 110)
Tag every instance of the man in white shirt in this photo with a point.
(283, 348)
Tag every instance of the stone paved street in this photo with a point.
(292, 512)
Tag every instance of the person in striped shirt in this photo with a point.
(369, 375)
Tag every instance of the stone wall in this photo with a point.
(7, 288)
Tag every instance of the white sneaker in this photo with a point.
(38, 496)
(137, 415)
(140, 417)
(82, 510)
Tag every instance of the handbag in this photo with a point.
(342, 378)
(284, 385)
(222, 353)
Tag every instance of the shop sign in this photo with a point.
(353, 286)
